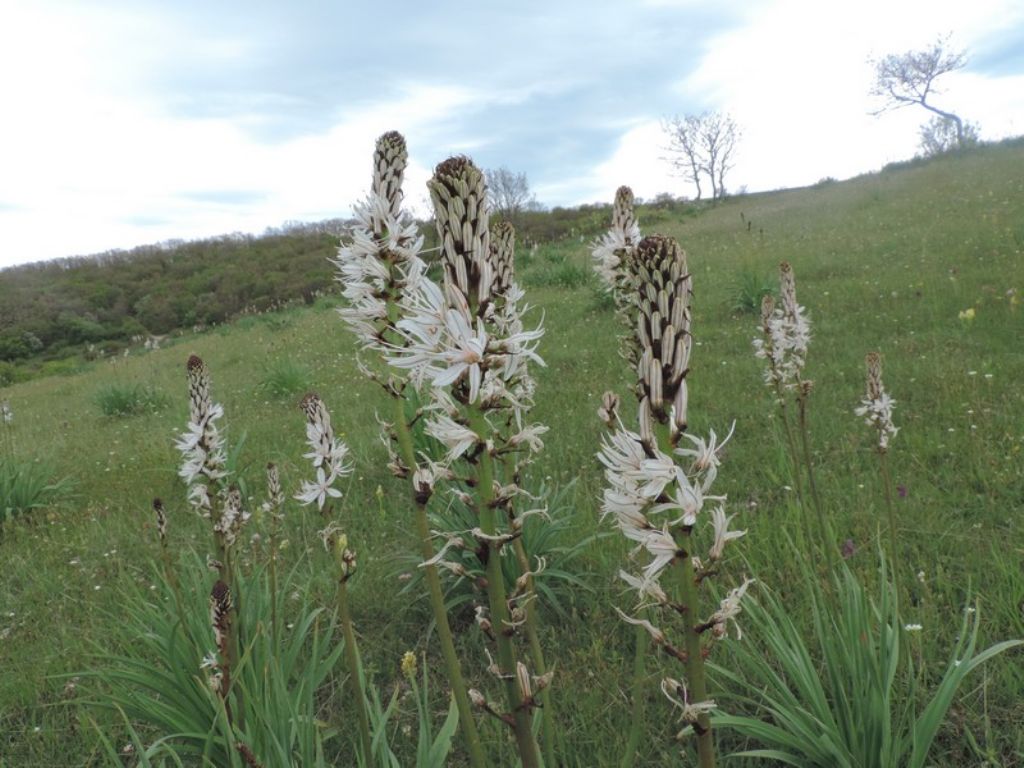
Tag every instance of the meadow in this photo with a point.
(924, 264)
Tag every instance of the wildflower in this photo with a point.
(456, 438)
(722, 533)
(728, 610)
(786, 335)
(675, 691)
(6, 414)
(656, 634)
(912, 627)
(967, 315)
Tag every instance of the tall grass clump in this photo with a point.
(26, 484)
(129, 399)
(749, 292)
(285, 378)
(850, 696)
(660, 492)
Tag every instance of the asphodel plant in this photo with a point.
(464, 347)
(204, 470)
(379, 267)
(660, 489)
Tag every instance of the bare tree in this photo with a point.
(509, 192)
(905, 79)
(684, 144)
(703, 145)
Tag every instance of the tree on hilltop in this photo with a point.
(702, 145)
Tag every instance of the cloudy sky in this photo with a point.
(131, 121)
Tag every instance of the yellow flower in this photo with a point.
(409, 664)
(967, 315)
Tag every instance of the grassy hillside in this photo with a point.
(885, 262)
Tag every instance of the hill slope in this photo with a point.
(885, 262)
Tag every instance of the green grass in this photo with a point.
(118, 399)
(285, 378)
(884, 262)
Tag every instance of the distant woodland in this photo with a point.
(96, 306)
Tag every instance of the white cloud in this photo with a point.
(796, 75)
(91, 159)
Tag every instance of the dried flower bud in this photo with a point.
(767, 311)
(787, 288)
(423, 485)
(477, 699)
(609, 410)
(220, 614)
(873, 362)
(523, 679)
(161, 521)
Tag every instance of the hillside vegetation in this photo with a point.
(924, 264)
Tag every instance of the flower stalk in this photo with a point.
(659, 489)
(204, 470)
(877, 408)
(328, 457)
(379, 267)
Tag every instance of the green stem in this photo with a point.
(226, 574)
(497, 598)
(894, 553)
(172, 579)
(537, 656)
(794, 454)
(642, 645)
(830, 548)
(467, 721)
(696, 676)
(354, 668)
